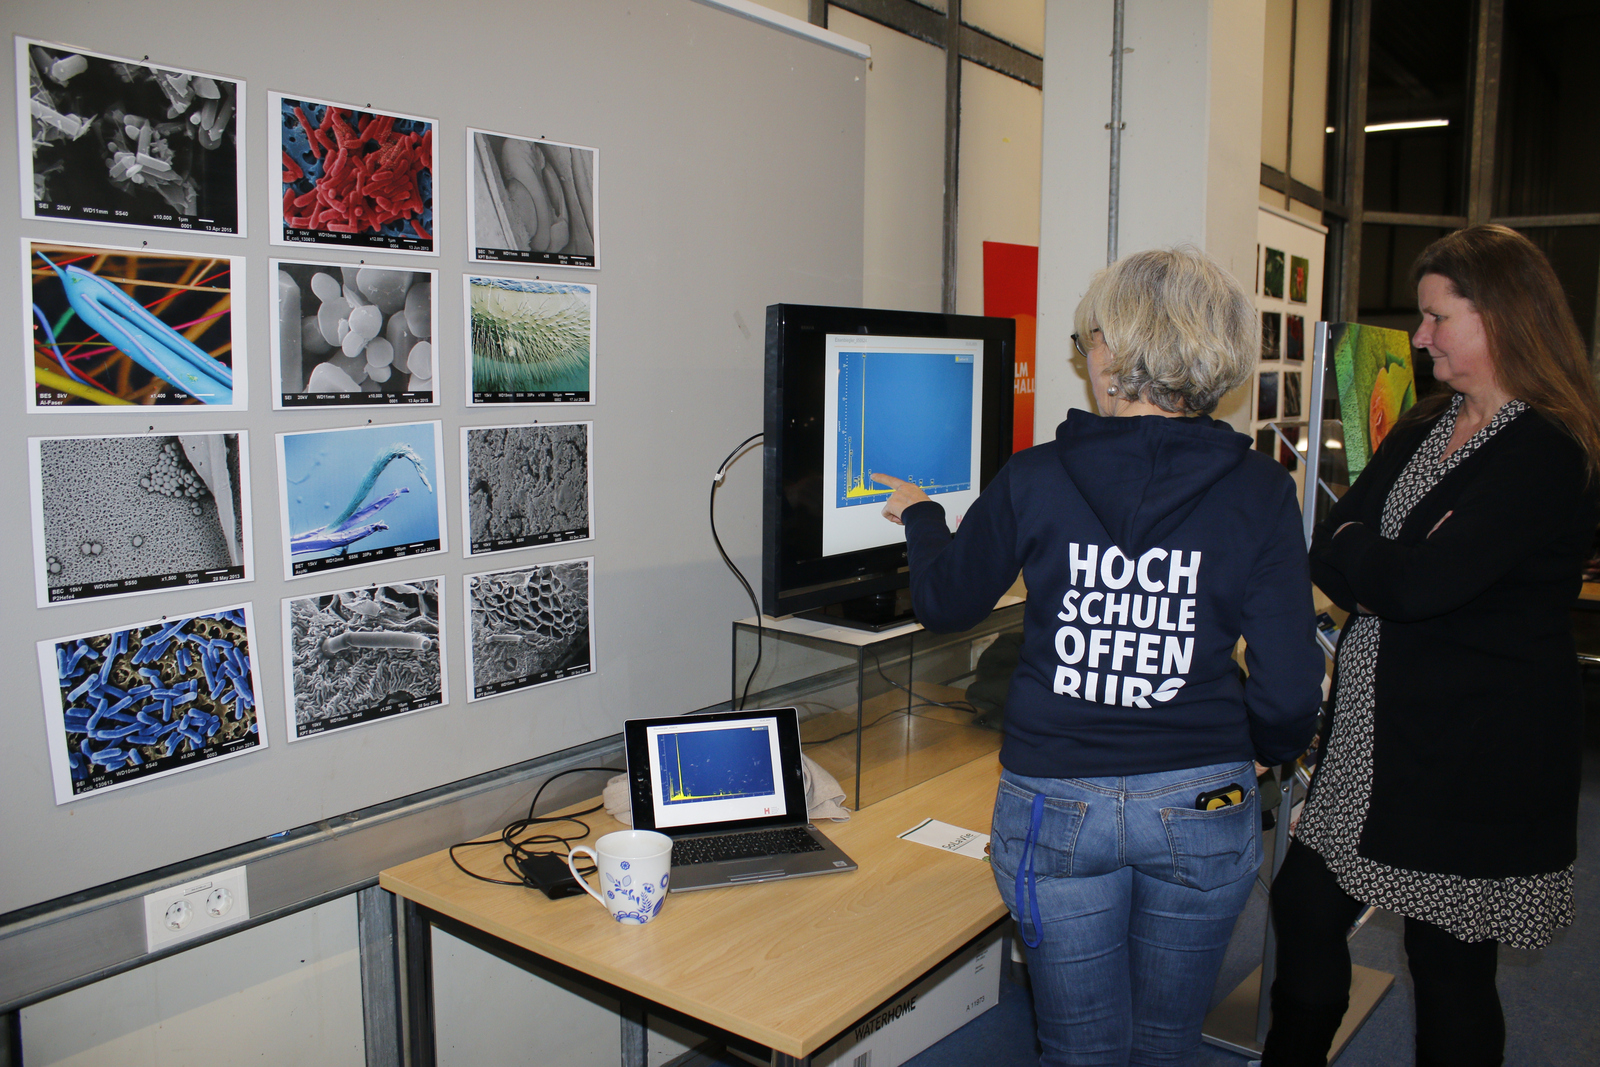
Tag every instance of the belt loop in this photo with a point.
(1026, 886)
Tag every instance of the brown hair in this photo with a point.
(1534, 342)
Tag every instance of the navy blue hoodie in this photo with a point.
(1149, 545)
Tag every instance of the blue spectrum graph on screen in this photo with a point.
(726, 764)
(908, 414)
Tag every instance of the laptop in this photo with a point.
(729, 790)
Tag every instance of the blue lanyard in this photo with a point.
(1026, 886)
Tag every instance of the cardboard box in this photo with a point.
(933, 1009)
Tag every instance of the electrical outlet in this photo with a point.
(184, 912)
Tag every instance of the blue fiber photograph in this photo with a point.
(360, 495)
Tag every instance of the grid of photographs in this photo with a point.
(115, 329)
(138, 513)
(127, 705)
(360, 655)
(125, 142)
(532, 201)
(360, 495)
(523, 486)
(351, 177)
(125, 330)
(529, 627)
(348, 335)
(529, 341)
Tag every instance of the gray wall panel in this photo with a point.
(731, 172)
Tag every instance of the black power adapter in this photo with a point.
(549, 874)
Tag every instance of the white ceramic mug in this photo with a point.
(633, 866)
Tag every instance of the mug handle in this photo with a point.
(572, 865)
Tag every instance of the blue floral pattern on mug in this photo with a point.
(646, 899)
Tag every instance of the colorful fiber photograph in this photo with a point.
(354, 177)
(125, 142)
(152, 699)
(123, 329)
(530, 341)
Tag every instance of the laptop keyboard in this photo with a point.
(782, 842)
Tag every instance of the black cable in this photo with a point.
(518, 849)
(716, 480)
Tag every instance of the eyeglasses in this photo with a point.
(1077, 343)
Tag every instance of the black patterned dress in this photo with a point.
(1522, 911)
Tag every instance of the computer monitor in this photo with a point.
(855, 391)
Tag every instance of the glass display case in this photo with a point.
(880, 711)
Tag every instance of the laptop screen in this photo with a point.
(706, 772)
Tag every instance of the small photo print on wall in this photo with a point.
(128, 330)
(532, 201)
(530, 341)
(529, 627)
(364, 654)
(1291, 394)
(127, 705)
(1270, 328)
(1299, 278)
(525, 485)
(351, 177)
(139, 513)
(1272, 274)
(1288, 453)
(359, 495)
(125, 142)
(1294, 339)
(348, 335)
(1267, 396)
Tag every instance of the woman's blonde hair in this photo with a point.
(1180, 332)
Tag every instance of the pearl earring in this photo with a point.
(1111, 390)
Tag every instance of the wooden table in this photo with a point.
(788, 965)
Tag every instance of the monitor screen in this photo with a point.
(852, 392)
(907, 406)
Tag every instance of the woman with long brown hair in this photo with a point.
(1449, 785)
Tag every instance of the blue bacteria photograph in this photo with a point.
(360, 495)
(124, 706)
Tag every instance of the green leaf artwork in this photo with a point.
(1376, 385)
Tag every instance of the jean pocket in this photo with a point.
(1214, 848)
(1058, 832)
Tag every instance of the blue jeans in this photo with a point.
(1136, 892)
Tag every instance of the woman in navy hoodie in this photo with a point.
(1151, 538)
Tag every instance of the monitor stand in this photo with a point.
(880, 611)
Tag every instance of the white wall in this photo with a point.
(903, 234)
(1000, 125)
(1190, 157)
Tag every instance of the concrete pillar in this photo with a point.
(1191, 158)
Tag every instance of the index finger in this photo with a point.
(890, 480)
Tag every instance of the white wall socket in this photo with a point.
(184, 912)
